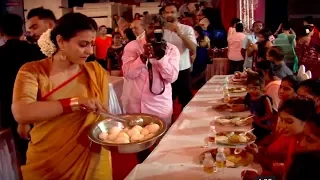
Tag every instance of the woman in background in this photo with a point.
(114, 55)
(51, 93)
(202, 56)
(307, 53)
(232, 28)
(234, 49)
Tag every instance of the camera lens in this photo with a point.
(158, 35)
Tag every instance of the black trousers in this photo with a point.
(235, 66)
(103, 63)
(181, 88)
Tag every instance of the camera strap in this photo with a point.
(149, 65)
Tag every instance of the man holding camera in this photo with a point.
(149, 69)
(183, 37)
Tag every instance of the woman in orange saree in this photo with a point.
(49, 94)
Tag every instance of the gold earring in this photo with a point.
(63, 57)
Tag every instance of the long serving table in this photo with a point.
(176, 156)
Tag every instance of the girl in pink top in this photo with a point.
(139, 95)
(271, 81)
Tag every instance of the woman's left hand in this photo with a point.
(24, 130)
(92, 105)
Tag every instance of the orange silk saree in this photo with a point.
(59, 148)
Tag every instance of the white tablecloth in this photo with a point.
(115, 91)
(176, 156)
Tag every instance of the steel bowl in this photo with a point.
(105, 124)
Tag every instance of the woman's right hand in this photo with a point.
(92, 105)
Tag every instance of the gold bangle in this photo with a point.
(74, 104)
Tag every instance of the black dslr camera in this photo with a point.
(159, 44)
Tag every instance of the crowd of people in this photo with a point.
(57, 92)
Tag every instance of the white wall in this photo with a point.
(53, 5)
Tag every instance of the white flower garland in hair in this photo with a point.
(307, 31)
(46, 45)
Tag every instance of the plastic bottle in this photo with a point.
(212, 136)
(220, 159)
(226, 96)
(208, 163)
(226, 90)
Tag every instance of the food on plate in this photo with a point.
(115, 130)
(225, 122)
(234, 158)
(243, 159)
(137, 137)
(121, 140)
(127, 135)
(149, 136)
(243, 122)
(145, 131)
(103, 135)
(153, 128)
(133, 131)
(123, 134)
(233, 100)
(137, 127)
(235, 138)
(234, 121)
(112, 137)
(239, 75)
(237, 89)
(222, 139)
(222, 107)
(229, 107)
(126, 129)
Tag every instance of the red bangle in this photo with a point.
(70, 104)
(66, 105)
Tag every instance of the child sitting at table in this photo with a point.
(260, 105)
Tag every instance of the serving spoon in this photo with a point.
(126, 121)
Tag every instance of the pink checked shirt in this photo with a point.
(136, 96)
